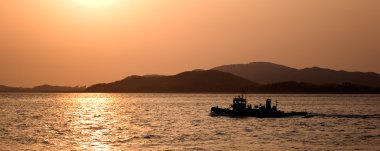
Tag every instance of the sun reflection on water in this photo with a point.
(93, 122)
(181, 122)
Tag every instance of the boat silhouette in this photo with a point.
(240, 108)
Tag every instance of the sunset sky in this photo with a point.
(82, 42)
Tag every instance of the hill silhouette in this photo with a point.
(43, 89)
(307, 88)
(12, 89)
(256, 77)
(50, 88)
(186, 82)
(267, 73)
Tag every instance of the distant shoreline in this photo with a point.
(254, 78)
(275, 88)
(175, 93)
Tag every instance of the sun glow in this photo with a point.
(96, 3)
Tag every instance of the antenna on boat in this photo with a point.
(242, 93)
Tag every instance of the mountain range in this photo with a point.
(255, 77)
(267, 73)
(43, 89)
(195, 81)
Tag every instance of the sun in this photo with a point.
(96, 3)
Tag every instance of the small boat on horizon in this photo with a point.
(240, 108)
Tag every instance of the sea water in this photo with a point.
(94, 121)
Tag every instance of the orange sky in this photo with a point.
(82, 42)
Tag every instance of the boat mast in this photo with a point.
(242, 93)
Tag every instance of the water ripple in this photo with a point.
(182, 122)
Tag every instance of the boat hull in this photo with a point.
(254, 113)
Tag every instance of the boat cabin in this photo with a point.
(239, 103)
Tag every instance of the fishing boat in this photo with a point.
(240, 108)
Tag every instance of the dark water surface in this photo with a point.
(182, 122)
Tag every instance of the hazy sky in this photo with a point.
(82, 42)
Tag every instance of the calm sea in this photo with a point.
(183, 122)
